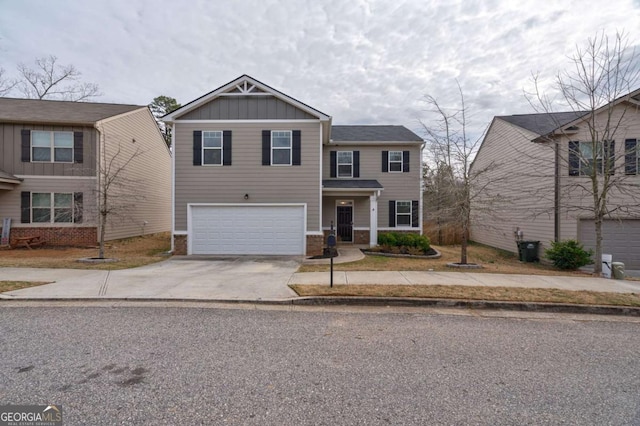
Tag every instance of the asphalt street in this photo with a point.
(206, 364)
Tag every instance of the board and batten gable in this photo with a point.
(397, 185)
(519, 173)
(145, 196)
(246, 174)
(11, 159)
(247, 108)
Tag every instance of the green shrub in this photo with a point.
(397, 239)
(568, 254)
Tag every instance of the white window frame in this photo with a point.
(52, 147)
(338, 164)
(221, 149)
(410, 214)
(52, 207)
(396, 162)
(290, 148)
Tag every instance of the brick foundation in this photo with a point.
(58, 236)
(180, 244)
(314, 245)
(361, 237)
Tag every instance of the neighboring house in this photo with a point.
(258, 172)
(543, 184)
(51, 154)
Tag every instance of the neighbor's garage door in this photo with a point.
(247, 229)
(620, 238)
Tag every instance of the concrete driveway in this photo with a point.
(235, 278)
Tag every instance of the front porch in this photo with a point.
(351, 206)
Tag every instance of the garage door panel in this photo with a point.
(620, 239)
(273, 229)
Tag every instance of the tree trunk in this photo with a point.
(597, 262)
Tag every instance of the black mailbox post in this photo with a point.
(331, 243)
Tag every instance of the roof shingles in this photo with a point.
(358, 133)
(544, 123)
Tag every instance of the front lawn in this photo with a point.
(492, 261)
(131, 252)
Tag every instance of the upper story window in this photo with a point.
(584, 157)
(281, 147)
(212, 148)
(345, 164)
(631, 157)
(52, 146)
(395, 161)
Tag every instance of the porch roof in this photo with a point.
(9, 178)
(351, 184)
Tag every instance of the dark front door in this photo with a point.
(345, 223)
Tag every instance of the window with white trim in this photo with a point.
(395, 161)
(52, 207)
(403, 213)
(51, 147)
(212, 148)
(281, 147)
(345, 164)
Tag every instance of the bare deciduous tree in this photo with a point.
(5, 84)
(597, 88)
(50, 80)
(453, 183)
(117, 192)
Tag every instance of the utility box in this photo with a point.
(618, 270)
(528, 251)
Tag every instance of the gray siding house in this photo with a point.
(542, 162)
(259, 172)
(51, 154)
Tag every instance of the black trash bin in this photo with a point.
(528, 251)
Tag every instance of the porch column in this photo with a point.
(373, 220)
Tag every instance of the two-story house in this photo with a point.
(542, 162)
(259, 172)
(55, 157)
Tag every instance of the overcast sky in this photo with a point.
(362, 62)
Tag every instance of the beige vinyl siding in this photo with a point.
(10, 203)
(247, 175)
(522, 173)
(573, 196)
(397, 186)
(11, 152)
(148, 175)
(247, 108)
(361, 217)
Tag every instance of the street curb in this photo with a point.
(379, 301)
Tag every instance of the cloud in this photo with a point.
(359, 61)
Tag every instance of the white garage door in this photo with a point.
(620, 238)
(247, 229)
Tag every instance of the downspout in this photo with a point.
(556, 197)
(100, 156)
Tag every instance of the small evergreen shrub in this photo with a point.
(407, 241)
(568, 254)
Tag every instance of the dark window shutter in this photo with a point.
(392, 214)
(25, 207)
(630, 157)
(356, 164)
(77, 207)
(415, 213)
(266, 147)
(574, 160)
(405, 161)
(333, 164)
(296, 152)
(78, 149)
(226, 148)
(385, 161)
(197, 148)
(26, 145)
(610, 157)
